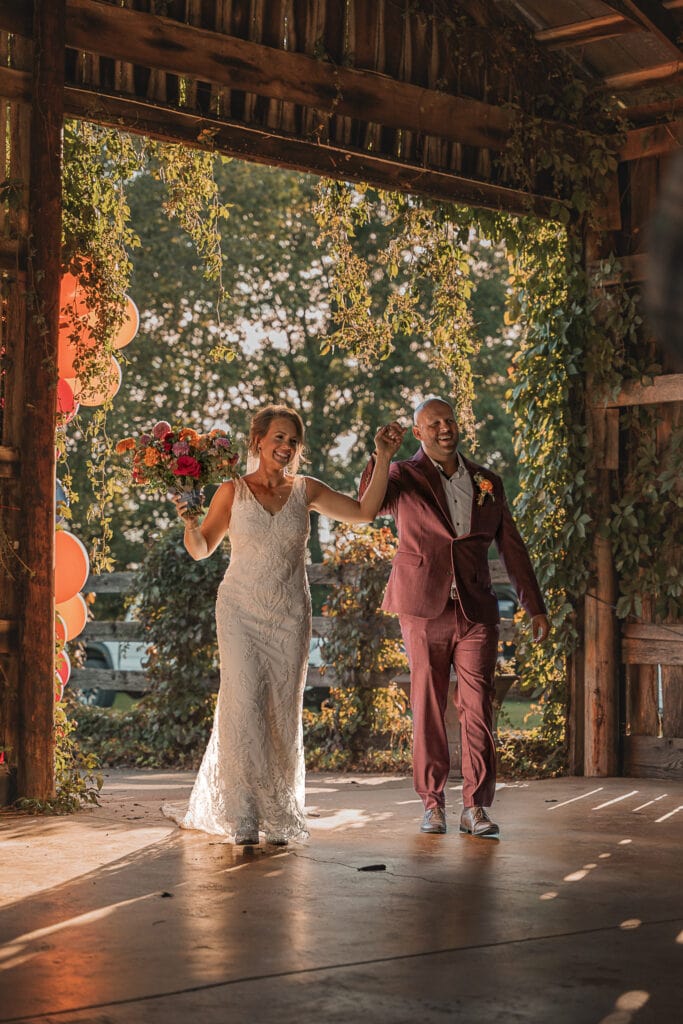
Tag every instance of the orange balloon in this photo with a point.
(63, 668)
(129, 327)
(75, 340)
(60, 628)
(101, 387)
(71, 566)
(72, 295)
(75, 615)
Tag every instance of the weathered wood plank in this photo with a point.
(637, 651)
(582, 33)
(652, 757)
(672, 694)
(106, 679)
(319, 573)
(666, 388)
(134, 632)
(655, 75)
(129, 632)
(649, 631)
(652, 140)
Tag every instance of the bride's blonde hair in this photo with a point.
(260, 424)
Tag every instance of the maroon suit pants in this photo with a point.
(433, 645)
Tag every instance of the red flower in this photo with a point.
(187, 466)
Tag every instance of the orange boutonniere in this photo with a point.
(485, 487)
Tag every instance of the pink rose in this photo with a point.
(187, 466)
(161, 429)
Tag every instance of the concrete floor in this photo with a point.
(113, 916)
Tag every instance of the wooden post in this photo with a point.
(35, 767)
(16, 131)
(601, 663)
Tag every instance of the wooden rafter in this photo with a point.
(581, 33)
(657, 74)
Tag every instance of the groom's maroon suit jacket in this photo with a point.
(430, 555)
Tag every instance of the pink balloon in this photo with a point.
(72, 566)
(74, 613)
(67, 406)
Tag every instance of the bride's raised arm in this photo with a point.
(340, 506)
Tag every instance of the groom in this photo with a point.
(448, 511)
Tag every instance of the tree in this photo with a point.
(273, 324)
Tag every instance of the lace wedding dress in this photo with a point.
(252, 775)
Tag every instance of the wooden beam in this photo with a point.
(654, 17)
(582, 33)
(640, 651)
(650, 631)
(275, 148)
(35, 762)
(658, 74)
(652, 140)
(652, 757)
(667, 388)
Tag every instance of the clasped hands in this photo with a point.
(388, 439)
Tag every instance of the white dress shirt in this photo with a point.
(459, 494)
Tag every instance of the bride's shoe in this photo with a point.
(246, 833)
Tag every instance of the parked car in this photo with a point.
(115, 655)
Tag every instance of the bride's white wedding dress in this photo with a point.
(252, 775)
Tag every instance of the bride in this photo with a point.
(251, 779)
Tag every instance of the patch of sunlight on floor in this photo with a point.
(548, 896)
(350, 817)
(630, 923)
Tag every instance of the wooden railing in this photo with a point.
(136, 682)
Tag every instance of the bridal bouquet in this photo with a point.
(180, 459)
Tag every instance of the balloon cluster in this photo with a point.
(76, 341)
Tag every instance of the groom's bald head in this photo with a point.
(432, 398)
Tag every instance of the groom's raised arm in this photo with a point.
(393, 488)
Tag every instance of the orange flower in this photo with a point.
(188, 434)
(151, 457)
(126, 445)
(486, 485)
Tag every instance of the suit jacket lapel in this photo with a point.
(431, 473)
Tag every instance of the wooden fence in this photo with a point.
(136, 682)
